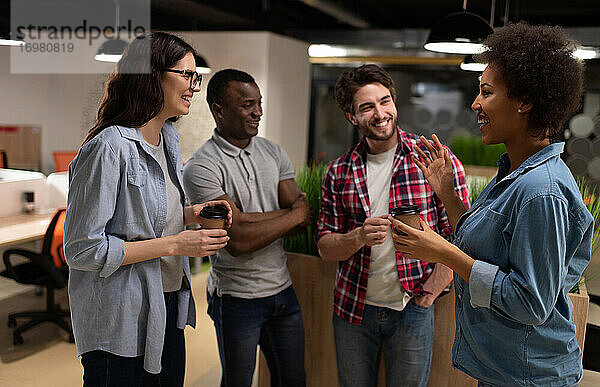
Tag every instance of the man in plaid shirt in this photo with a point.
(381, 297)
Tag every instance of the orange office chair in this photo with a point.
(62, 160)
(47, 269)
(3, 159)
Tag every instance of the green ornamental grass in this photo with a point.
(310, 178)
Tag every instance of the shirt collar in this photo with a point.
(168, 129)
(230, 149)
(169, 134)
(548, 152)
(130, 133)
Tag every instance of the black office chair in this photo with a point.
(47, 269)
(591, 352)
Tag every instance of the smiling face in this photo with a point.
(176, 88)
(239, 115)
(374, 114)
(498, 115)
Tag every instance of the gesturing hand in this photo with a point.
(374, 230)
(436, 166)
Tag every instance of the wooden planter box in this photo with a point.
(581, 303)
(479, 170)
(313, 281)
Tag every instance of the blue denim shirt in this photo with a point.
(531, 235)
(117, 194)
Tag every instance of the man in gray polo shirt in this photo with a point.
(250, 296)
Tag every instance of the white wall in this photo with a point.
(62, 104)
(289, 79)
(65, 105)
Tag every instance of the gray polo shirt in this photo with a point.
(250, 177)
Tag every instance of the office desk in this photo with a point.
(23, 228)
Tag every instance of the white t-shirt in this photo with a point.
(171, 267)
(383, 288)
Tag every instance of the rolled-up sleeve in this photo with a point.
(481, 281)
(528, 289)
(93, 188)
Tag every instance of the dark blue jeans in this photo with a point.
(274, 323)
(406, 335)
(104, 369)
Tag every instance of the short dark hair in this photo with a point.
(215, 91)
(537, 65)
(353, 79)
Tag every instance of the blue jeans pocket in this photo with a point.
(419, 307)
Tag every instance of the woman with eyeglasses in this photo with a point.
(125, 244)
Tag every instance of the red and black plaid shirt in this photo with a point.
(345, 206)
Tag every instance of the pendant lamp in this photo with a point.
(201, 65)
(459, 33)
(112, 49)
(8, 39)
(469, 64)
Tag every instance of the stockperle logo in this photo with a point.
(67, 36)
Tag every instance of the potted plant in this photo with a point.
(477, 158)
(578, 294)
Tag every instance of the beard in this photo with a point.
(367, 132)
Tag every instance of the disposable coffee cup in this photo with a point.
(409, 215)
(212, 217)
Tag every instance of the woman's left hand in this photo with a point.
(424, 245)
(196, 208)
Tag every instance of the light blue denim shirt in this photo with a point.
(531, 235)
(117, 194)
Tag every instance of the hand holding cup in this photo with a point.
(418, 242)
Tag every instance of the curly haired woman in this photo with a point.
(527, 238)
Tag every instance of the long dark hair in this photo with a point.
(133, 94)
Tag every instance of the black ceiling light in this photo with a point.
(469, 64)
(201, 66)
(459, 33)
(112, 49)
(9, 39)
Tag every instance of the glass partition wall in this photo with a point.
(437, 99)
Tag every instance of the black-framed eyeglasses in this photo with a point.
(194, 77)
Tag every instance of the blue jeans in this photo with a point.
(274, 323)
(407, 337)
(104, 369)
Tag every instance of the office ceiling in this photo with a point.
(360, 22)
(314, 19)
